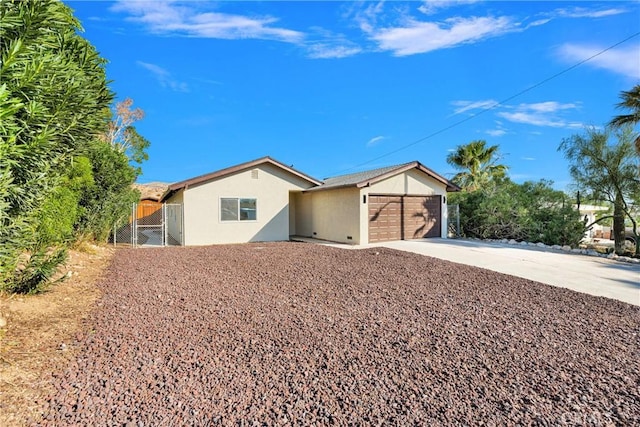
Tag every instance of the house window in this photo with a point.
(235, 209)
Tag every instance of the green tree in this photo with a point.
(607, 171)
(123, 136)
(110, 197)
(54, 102)
(630, 101)
(478, 165)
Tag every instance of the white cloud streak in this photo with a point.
(464, 106)
(581, 12)
(421, 37)
(170, 17)
(429, 7)
(496, 132)
(164, 77)
(326, 50)
(544, 114)
(624, 61)
(374, 141)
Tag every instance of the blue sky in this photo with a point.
(338, 87)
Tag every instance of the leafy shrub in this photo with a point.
(34, 274)
(532, 211)
(61, 210)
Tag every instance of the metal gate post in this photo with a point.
(163, 225)
(134, 225)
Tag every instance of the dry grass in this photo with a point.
(39, 334)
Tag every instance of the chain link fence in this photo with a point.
(150, 224)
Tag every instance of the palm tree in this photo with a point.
(630, 101)
(477, 164)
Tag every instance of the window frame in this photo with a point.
(238, 207)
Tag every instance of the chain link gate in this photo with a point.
(150, 224)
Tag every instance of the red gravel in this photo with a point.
(298, 334)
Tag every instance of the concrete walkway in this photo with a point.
(591, 275)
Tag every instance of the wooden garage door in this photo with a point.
(403, 217)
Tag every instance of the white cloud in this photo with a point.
(421, 37)
(464, 106)
(164, 77)
(367, 17)
(327, 44)
(548, 107)
(624, 61)
(375, 140)
(528, 158)
(171, 17)
(544, 114)
(327, 50)
(429, 7)
(581, 12)
(496, 132)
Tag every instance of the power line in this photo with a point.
(473, 116)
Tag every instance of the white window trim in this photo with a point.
(234, 221)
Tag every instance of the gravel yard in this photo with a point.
(298, 334)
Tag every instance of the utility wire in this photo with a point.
(473, 116)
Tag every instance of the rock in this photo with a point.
(566, 248)
(3, 322)
(541, 245)
(311, 335)
(556, 247)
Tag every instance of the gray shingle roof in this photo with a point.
(355, 178)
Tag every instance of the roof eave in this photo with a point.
(333, 187)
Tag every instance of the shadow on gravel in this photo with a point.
(302, 334)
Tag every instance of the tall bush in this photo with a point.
(54, 102)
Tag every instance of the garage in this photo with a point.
(393, 217)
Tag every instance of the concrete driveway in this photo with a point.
(591, 275)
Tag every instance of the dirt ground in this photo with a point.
(37, 334)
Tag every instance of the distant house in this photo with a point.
(265, 200)
(591, 213)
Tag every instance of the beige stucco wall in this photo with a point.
(271, 190)
(329, 215)
(412, 182)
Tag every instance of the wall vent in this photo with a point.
(254, 174)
